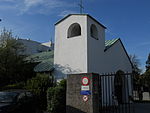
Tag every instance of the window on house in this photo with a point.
(94, 32)
(74, 30)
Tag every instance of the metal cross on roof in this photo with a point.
(81, 6)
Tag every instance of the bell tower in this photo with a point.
(79, 43)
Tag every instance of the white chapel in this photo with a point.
(80, 47)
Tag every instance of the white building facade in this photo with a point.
(80, 47)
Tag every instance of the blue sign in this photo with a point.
(85, 92)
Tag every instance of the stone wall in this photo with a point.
(75, 103)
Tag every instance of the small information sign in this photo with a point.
(85, 98)
(85, 88)
(85, 92)
(85, 81)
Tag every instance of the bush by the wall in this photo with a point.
(56, 98)
(39, 85)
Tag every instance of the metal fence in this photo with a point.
(141, 93)
(116, 93)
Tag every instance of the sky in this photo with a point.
(125, 19)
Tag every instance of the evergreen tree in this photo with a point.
(148, 63)
(136, 64)
(147, 72)
(136, 70)
(13, 67)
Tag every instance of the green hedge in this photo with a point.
(39, 85)
(56, 98)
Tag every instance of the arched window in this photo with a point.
(93, 31)
(74, 30)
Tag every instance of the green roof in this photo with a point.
(44, 66)
(45, 60)
(109, 43)
(39, 57)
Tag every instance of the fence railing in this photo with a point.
(116, 93)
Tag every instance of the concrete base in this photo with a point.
(75, 101)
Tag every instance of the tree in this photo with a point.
(147, 73)
(136, 70)
(13, 67)
(136, 64)
(39, 85)
(147, 77)
(148, 63)
(56, 98)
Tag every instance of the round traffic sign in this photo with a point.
(85, 98)
(85, 81)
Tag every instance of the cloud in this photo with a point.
(144, 44)
(7, 0)
(7, 7)
(38, 6)
(30, 3)
(43, 6)
(141, 45)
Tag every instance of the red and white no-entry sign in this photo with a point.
(85, 81)
(85, 98)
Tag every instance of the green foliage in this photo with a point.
(136, 64)
(62, 83)
(13, 67)
(56, 98)
(147, 77)
(147, 72)
(148, 63)
(39, 85)
(9, 42)
(136, 70)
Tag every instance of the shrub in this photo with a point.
(56, 98)
(39, 85)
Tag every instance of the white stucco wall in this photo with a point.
(70, 54)
(116, 58)
(95, 48)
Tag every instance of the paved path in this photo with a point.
(142, 107)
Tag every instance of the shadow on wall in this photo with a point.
(70, 109)
(62, 71)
